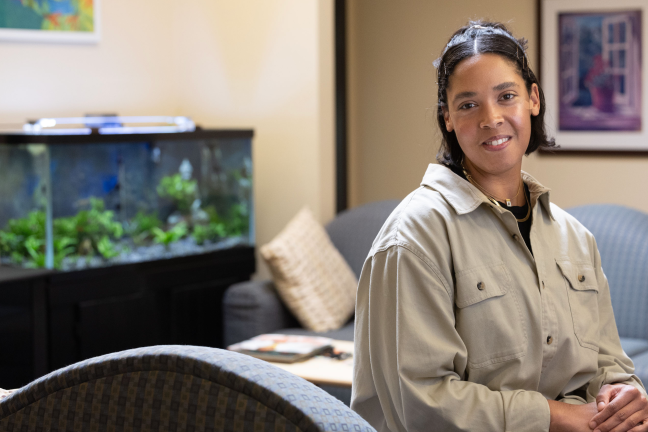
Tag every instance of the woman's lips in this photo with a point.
(496, 143)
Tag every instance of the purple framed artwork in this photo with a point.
(593, 73)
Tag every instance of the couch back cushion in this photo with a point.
(622, 238)
(353, 231)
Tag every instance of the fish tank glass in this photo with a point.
(95, 192)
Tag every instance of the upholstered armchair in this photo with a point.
(174, 388)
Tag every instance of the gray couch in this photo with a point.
(253, 308)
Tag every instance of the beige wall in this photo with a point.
(261, 64)
(129, 72)
(392, 99)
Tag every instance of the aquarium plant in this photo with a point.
(172, 235)
(140, 228)
(239, 220)
(24, 241)
(91, 230)
(213, 230)
(181, 191)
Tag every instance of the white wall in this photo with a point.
(260, 64)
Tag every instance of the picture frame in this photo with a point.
(49, 21)
(594, 75)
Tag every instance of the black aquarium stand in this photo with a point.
(51, 319)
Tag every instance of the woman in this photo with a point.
(482, 306)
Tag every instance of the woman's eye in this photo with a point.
(508, 96)
(466, 106)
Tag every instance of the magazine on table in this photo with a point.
(283, 348)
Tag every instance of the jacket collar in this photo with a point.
(464, 197)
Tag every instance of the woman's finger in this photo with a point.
(607, 392)
(626, 395)
(643, 427)
(633, 421)
(625, 419)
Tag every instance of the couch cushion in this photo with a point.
(311, 276)
(345, 333)
(353, 231)
(633, 347)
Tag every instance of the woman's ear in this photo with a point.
(534, 100)
(448, 120)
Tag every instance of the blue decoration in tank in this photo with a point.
(73, 201)
(109, 183)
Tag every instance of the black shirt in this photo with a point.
(518, 211)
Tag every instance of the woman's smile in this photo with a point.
(497, 143)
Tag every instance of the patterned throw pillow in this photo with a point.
(312, 278)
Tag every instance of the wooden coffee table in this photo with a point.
(322, 370)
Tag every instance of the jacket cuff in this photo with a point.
(612, 378)
(573, 400)
(526, 411)
(636, 382)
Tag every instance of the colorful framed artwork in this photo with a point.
(593, 74)
(64, 21)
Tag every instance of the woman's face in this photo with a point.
(490, 109)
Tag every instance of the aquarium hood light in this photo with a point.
(109, 125)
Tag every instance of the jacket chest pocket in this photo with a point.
(582, 293)
(488, 316)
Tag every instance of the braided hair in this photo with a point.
(476, 38)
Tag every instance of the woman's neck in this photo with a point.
(502, 186)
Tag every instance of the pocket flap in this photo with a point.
(581, 276)
(480, 283)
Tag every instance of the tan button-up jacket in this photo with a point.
(460, 328)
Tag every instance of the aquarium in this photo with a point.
(106, 193)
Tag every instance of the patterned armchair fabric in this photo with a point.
(174, 388)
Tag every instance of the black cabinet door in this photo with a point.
(118, 323)
(196, 317)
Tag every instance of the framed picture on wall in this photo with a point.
(58, 21)
(593, 73)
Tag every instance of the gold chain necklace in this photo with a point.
(528, 201)
(487, 193)
(494, 199)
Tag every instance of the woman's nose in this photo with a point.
(491, 118)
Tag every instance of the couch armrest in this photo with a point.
(253, 308)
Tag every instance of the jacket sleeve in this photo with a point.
(410, 360)
(614, 366)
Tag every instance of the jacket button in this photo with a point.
(581, 278)
(481, 286)
(549, 340)
(515, 237)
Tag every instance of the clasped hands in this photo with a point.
(621, 407)
(618, 408)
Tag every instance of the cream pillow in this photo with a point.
(312, 278)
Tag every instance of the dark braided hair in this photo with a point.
(476, 38)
